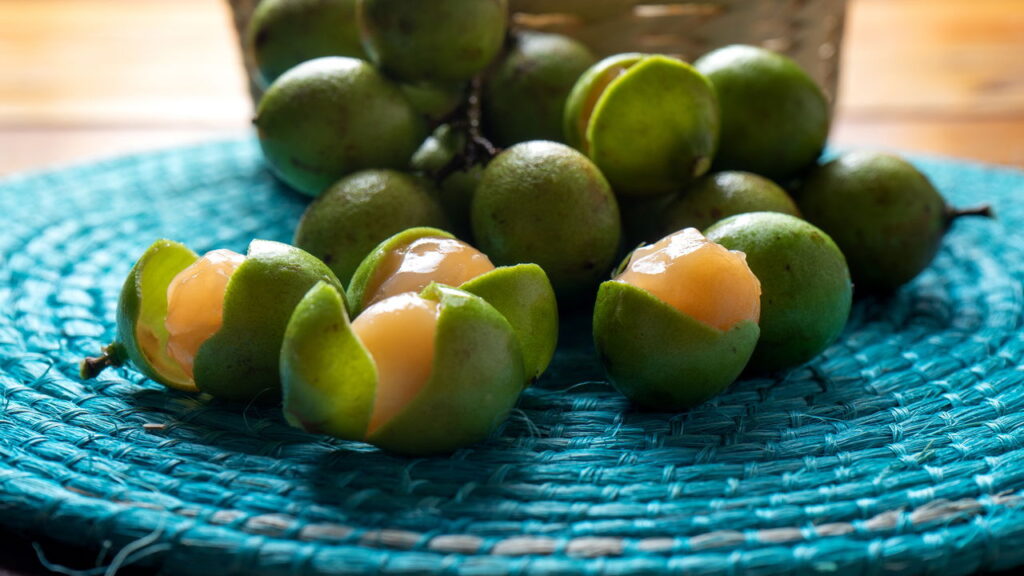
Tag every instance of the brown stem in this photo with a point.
(468, 119)
(92, 366)
(984, 211)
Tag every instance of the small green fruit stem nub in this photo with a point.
(984, 211)
(91, 367)
(468, 118)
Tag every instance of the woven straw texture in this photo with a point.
(898, 451)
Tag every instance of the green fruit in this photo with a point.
(522, 294)
(331, 381)
(456, 190)
(661, 358)
(545, 203)
(329, 117)
(806, 290)
(435, 101)
(720, 195)
(240, 360)
(650, 123)
(348, 220)
(437, 41)
(525, 93)
(285, 33)
(885, 215)
(775, 119)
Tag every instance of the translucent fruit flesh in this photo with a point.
(699, 278)
(398, 332)
(595, 94)
(195, 304)
(411, 268)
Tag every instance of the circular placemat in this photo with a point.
(899, 450)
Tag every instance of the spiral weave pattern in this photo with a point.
(898, 451)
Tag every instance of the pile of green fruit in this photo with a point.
(423, 129)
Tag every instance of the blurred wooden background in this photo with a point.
(83, 79)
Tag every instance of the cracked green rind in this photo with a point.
(574, 133)
(143, 300)
(328, 379)
(476, 379)
(241, 361)
(655, 128)
(368, 267)
(660, 358)
(524, 296)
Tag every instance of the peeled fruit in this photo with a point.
(806, 289)
(438, 41)
(775, 119)
(525, 93)
(545, 203)
(678, 324)
(212, 324)
(410, 261)
(285, 33)
(415, 374)
(649, 122)
(885, 215)
(330, 117)
(347, 221)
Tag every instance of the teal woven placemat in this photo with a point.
(897, 451)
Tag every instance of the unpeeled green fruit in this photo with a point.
(649, 122)
(285, 33)
(885, 215)
(806, 290)
(331, 381)
(436, 41)
(775, 119)
(545, 203)
(525, 93)
(720, 195)
(456, 190)
(329, 117)
(352, 217)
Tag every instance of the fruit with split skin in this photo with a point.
(679, 322)
(415, 374)
(886, 216)
(806, 289)
(360, 211)
(413, 259)
(649, 122)
(330, 117)
(213, 323)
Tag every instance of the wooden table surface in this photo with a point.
(88, 78)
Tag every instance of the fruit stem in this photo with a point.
(91, 367)
(468, 119)
(984, 210)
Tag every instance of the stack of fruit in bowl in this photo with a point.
(468, 180)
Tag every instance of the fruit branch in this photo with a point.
(92, 366)
(467, 119)
(984, 211)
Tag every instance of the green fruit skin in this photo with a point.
(806, 292)
(333, 116)
(574, 129)
(660, 358)
(367, 269)
(720, 195)
(285, 33)
(775, 119)
(457, 189)
(525, 94)
(144, 299)
(885, 215)
(440, 40)
(476, 379)
(352, 217)
(545, 203)
(240, 361)
(435, 101)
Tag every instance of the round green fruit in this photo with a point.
(435, 101)
(885, 215)
(285, 33)
(720, 195)
(360, 211)
(545, 203)
(525, 93)
(806, 290)
(436, 41)
(649, 122)
(338, 382)
(775, 119)
(332, 116)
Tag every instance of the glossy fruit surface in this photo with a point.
(806, 290)
(720, 195)
(347, 221)
(333, 116)
(775, 119)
